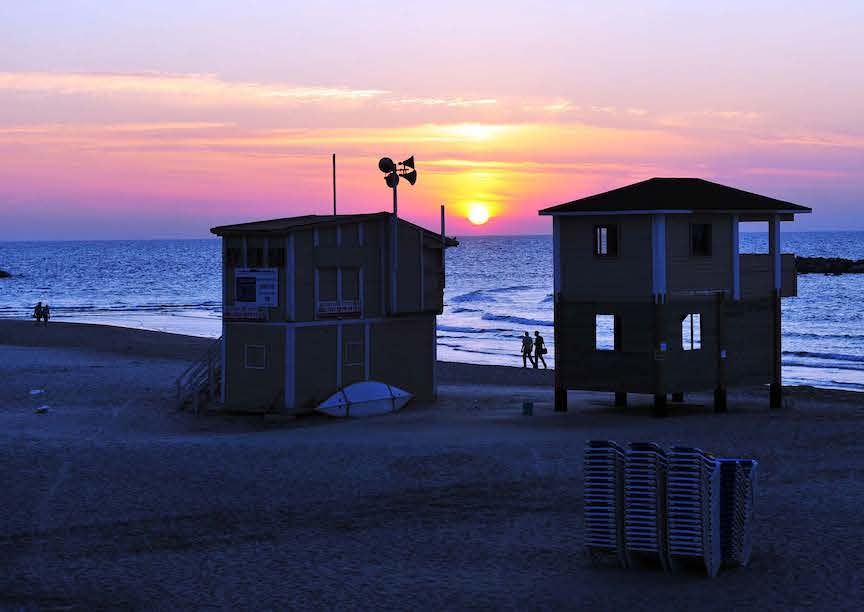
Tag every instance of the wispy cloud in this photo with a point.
(188, 88)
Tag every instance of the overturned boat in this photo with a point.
(367, 398)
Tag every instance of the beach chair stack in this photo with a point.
(645, 504)
(736, 509)
(678, 508)
(693, 502)
(604, 500)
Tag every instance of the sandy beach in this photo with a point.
(112, 499)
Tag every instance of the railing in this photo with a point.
(335, 308)
(756, 278)
(200, 379)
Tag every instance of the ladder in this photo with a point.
(200, 383)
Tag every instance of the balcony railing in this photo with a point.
(338, 309)
(756, 278)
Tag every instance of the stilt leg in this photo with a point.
(621, 399)
(720, 399)
(560, 399)
(776, 393)
(660, 405)
(677, 397)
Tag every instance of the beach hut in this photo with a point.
(652, 294)
(314, 303)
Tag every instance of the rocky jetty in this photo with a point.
(829, 265)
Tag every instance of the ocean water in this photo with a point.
(497, 288)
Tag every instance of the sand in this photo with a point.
(111, 499)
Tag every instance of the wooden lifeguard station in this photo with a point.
(312, 304)
(652, 294)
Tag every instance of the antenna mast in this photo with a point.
(334, 184)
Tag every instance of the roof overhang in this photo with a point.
(758, 215)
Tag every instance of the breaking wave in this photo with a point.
(516, 320)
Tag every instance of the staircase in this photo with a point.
(199, 385)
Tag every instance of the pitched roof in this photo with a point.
(675, 195)
(289, 224)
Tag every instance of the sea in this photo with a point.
(498, 287)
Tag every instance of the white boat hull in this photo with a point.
(366, 398)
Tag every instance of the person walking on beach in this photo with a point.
(37, 313)
(539, 349)
(47, 311)
(526, 351)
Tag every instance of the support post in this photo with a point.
(720, 399)
(560, 399)
(621, 399)
(560, 389)
(660, 409)
(659, 289)
(776, 390)
(736, 261)
(720, 322)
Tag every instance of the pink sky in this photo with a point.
(145, 120)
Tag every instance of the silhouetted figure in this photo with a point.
(527, 346)
(539, 349)
(46, 312)
(37, 313)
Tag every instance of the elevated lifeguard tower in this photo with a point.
(653, 296)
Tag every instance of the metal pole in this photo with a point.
(334, 184)
(443, 237)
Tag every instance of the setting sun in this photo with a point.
(478, 214)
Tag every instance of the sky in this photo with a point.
(161, 119)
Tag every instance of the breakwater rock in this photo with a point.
(829, 265)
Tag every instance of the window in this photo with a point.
(276, 257)
(352, 353)
(700, 239)
(246, 288)
(255, 257)
(691, 332)
(234, 256)
(605, 240)
(256, 356)
(606, 333)
(338, 292)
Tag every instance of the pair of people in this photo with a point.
(41, 313)
(537, 346)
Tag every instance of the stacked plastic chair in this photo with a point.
(737, 496)
(694, 497)
(645, 504)
(604, 500)
(679, 508)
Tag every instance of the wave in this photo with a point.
(849, 367)
(458, 310)
(467, 330)
(507, 289)
(118, 308)
(814, 336)
(831, 356)
(479, 295)
(517, 320)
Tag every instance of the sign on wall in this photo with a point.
(256, 287)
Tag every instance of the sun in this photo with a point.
(478, 214)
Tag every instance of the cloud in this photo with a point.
(182, 89)
(448, 102)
